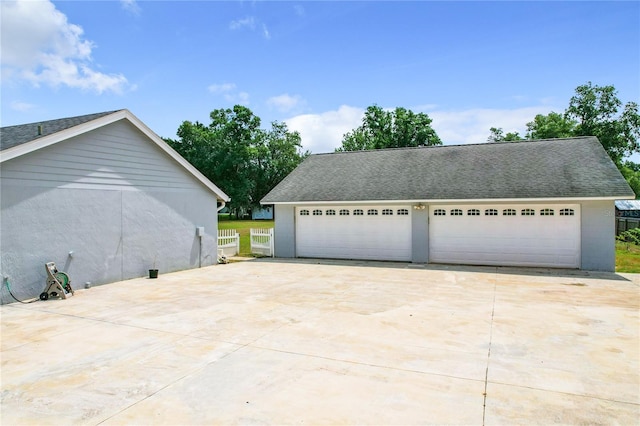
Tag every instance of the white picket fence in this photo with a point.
(228, 242)
(262, 241)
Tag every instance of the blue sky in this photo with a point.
(314, 65)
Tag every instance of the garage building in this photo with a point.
(103, 197)
(543, 203)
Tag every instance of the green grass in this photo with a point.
(242, 227)
(627, 260)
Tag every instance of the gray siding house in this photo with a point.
(544, 203)
(103, 197)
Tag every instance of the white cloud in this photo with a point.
(221, 88)
(248, 22)
(40, 46)
(324, 132)
(472, 125)
(131, 6)
(284, 102)
(21, 106)
(229, 93)
(241, 98)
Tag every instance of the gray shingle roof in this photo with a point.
(552, 168)
(11, 136)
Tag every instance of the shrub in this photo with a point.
(632, 236)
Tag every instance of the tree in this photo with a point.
(497, 135)
(274, 156)
(596, 110)
(390, 129)
(592, 111)
(245, 161)
(552, 125)
(631, 172)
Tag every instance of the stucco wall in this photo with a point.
(598, 236)
(284, 231)
(116, 217)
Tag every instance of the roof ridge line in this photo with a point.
(64, 118)
(407, 148)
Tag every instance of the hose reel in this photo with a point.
(58, 283)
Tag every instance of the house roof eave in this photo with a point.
(43, 142)
(454, 201)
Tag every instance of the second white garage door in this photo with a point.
(354, 232)
(521, 235)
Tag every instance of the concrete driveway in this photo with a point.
(301, 342)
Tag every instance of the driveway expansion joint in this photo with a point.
(365, 364)
(486, 374)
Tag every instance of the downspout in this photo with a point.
(222, 206)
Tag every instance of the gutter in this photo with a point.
(456, 201)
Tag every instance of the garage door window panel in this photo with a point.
(533, 240)
(348, 235)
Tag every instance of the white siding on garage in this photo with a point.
(519, 235)
(114, 157)
(340, 232)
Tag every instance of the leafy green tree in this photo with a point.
(195, 144)
(592, 111)
(238, 129)
(631, 172)
(552, 125)
(598, 112)
(244, 160)
(390, 129)
(277, 152)
(496, 134)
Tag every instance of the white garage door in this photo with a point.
(354, 232)
(523, 235)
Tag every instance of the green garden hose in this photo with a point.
(6, 281)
